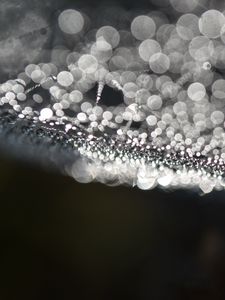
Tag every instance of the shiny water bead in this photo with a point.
(37, 98)
(97, 111)
(187, 26)
(45, 114)
(169, 89)
(218, 89)
(59, 113)
(154, 102)
(46, 68)
(145, 81)
(196, 91)
(10, 96)
(211, 23)
(143, 27)
(65, 78)
(151, 120)
(147, 48)
(127, 115)
(206, 185)
(146, 183)
(81, 172)
(107, 115)
(101, 50)
(86, 106)
(201, 48)
(179, 107)
(30, 69)
(159, 63)
(217, 117)
(207, 65)
(65, 104)
(142, 96)
(88, 63)
(21, 97)
(109, 34)
(164, 32)
(71, 21)
(218, 132)
(38, 76)
(18, 88)
(82, 117)
(161, 80)
(130, 89)
(175, 43)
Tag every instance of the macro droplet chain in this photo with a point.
(140, 105)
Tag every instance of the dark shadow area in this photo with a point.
(64, 240)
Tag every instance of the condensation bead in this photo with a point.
(130, 89)
(206, 186)
(46, 113)
(151, 120)
(21, 97)
(81, 171)
(65, 78)
(86, 106)
(71, 21)
(154, 102)
(211, 23)
(38, 76)
(217, 117)
(10, 96)
(76, 96)
(147, 48)
(179, 107)
(101, 50)
(187, 26)
(159, 63)
(30, 69)
(82, 117)
(18, 88)
(109, 34)
(201, 48)
(218, 89)
(142, 96)
(196, 91)
(88, 63)
(143, 27)
(145, 81)
(107, 115)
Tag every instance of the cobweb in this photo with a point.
(136, 100)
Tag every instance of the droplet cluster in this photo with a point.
(164, 124)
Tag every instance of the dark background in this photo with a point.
(64, 240)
